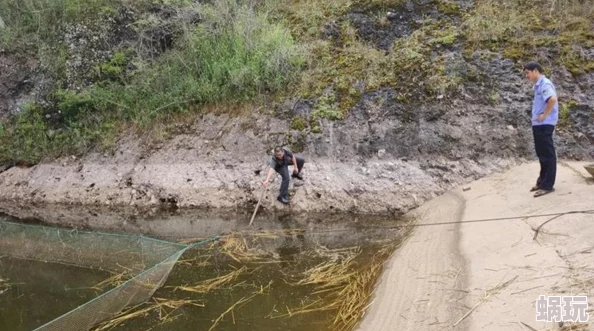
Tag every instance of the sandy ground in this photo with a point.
(487, 275)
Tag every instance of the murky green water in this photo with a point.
(32, 292)
(280, 249)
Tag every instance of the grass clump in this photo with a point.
(326, 108)
(298, 123)
(29, 136)
(444, 37)
(114, 69)
(24, 137)
(306, 18)
(236, 56)
(565, 112)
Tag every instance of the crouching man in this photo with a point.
(280, 162)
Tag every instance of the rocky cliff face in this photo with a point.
(388, 153)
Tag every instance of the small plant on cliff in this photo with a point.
(298, 123)
(26, 140)
(114, 69)
(73, 106)
(565, 112)
(326, 107)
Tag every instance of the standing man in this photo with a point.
(280, 162)
(545, 114)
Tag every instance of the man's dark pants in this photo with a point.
(545, 150)
(284, 172)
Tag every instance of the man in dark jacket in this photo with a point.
(280, 162)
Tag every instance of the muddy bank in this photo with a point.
(384, 167)
(388, 187)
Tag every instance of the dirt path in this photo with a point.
(487, 275)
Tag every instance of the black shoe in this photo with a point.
(298, 176)
(283, 200)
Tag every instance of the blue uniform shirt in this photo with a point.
(543, 90)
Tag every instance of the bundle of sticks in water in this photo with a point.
(340, 284)
(164, 307)
(208, 285)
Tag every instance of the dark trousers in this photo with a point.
(545, 150)
(284, 172)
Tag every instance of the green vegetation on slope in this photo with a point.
(235, 54)
(563, 27)
(241, 50)
(221, 60)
